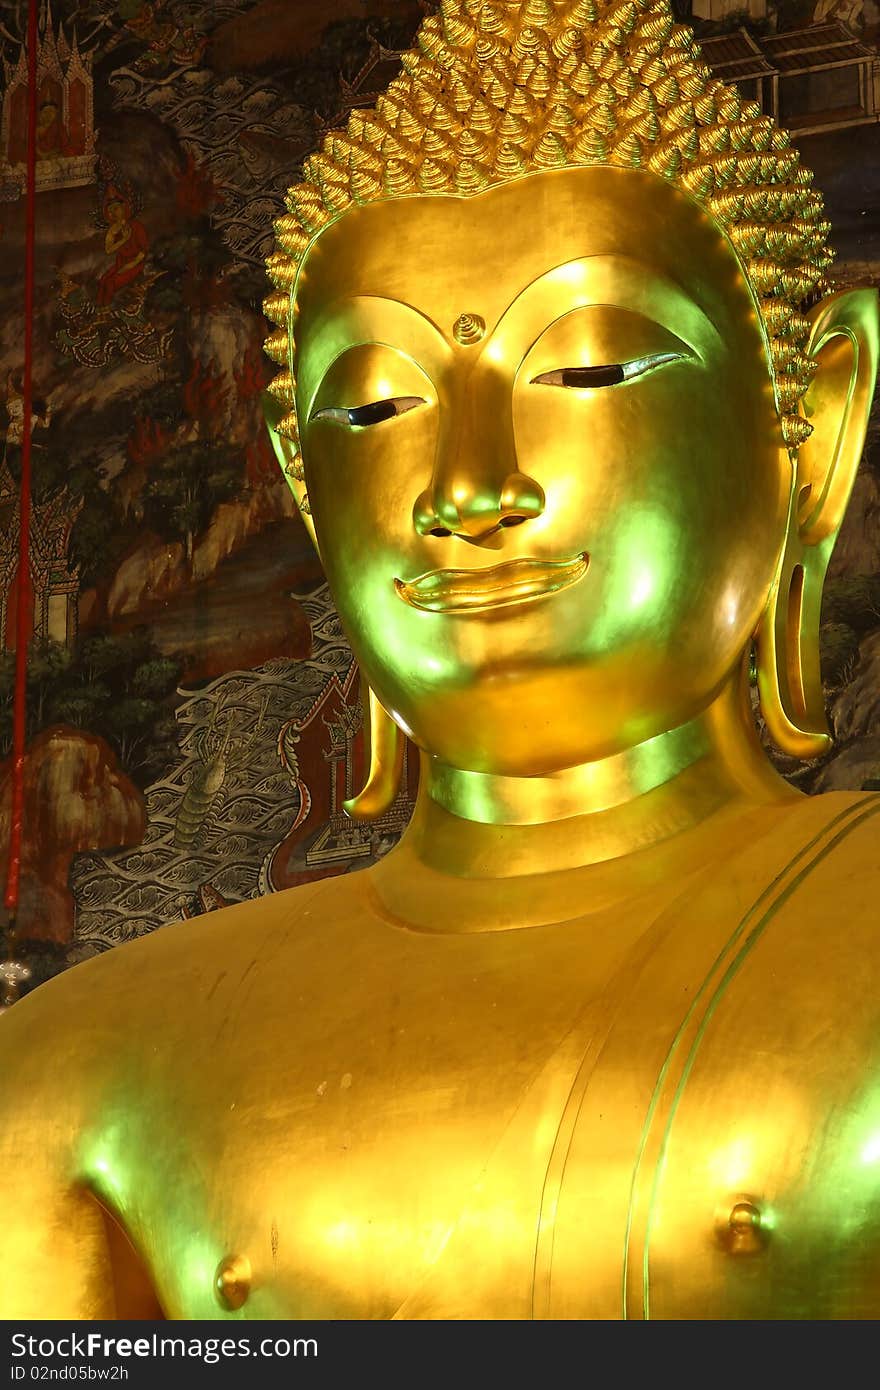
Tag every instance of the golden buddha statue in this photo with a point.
(597, 1039)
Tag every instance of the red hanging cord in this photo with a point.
(22, 614)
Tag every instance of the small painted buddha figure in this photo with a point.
(125, 239)
(574, 418)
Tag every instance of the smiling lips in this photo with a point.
(476, 591)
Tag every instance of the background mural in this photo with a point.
(194, 716)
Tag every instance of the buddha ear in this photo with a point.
(289, 457)
(845, 329)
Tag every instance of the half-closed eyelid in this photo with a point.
(373, 413)
(607, 374)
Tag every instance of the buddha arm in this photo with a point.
(53, 1242)
(61, 1256)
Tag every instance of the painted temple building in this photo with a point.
(65, 114)
(323, 839)
(814, 79)
(53, 603)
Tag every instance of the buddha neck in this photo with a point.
(514, 851)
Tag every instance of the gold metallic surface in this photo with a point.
(744, 1232)
(468, 328)
(232, 1282)
(386, 744)
(493, 92)
(844, 339)
(599, 1037)
(509, 584)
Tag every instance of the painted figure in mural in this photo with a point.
(574, 421)
(849, 12)
(52, 140)
(15, 419)
(126, 240)
(166, 41)
(101, 323)
(41, 416)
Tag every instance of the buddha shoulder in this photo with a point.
(795, 931)
(106, 1003)
(767, 1114)
(104, 1067)
(97, 1026)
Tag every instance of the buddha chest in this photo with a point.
(634, 1115)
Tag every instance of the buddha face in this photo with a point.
(543, 461)
(46, 116)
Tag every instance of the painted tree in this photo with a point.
(186, 485)
(117, 685)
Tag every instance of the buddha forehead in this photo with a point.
(447, 255)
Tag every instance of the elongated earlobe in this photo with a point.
(386, 744)
(844, 343)
(787, 640)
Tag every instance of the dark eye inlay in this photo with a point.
(372, 414)
(609, 374)
(593, 376)
(362, 416)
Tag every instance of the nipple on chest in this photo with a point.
(232, 1282)
(743, 1229)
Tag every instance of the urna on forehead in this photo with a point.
(448, 255)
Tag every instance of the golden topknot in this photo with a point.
(497, 89)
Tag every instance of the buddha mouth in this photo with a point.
(476, 591)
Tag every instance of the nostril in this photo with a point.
(439, 531)
(521, 498)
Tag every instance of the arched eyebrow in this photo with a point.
(622, 282)
(361, 319)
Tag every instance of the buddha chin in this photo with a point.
(572, 415)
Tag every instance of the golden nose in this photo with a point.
(521, 496)
(460, 508)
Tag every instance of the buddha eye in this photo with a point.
(610, 374)
(360, 417)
